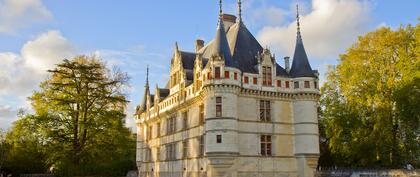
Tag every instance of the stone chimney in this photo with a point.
(228, 20)
(198, 44)
(287, 63)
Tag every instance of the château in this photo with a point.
(229, 109)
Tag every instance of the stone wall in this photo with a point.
(368, 173)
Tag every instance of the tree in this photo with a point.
(25, 150)
(370, 100)
(79, 113)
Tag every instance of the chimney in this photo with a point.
(228, 20)
(287, 63)
(198, 45)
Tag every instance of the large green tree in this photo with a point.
(79, 120)
(370, 101)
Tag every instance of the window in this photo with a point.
(307, 84)
(278, 83)
(287, 84)
(235, 75)
(208, 75)
(171, 125)
(217, 72)
(170, 151)
(218, 138)
(185, 120)
(255, 81)
(246, 79)
(147, 155)
(265, 145)
(218, 106)
(296, 84)
(158, 129)
(267, 77)
(201, 115)
(265, 110)
(227, 74)
(316, 85)
(158, 154)
(185, 149)
(201, 146)
(149, 133)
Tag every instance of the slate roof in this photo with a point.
(300, 66)
(188, 59)
(243, 47)
(163, 93)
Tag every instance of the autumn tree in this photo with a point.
(370, 101)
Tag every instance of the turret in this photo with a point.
(305, 111)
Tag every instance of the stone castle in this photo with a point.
(229, 109)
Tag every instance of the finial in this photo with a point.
(240, 10)
(147, 75)
(298, 19)
(220, 9)
(299, 36)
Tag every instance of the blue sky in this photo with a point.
(36, 34)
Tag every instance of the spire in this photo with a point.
(299, 37)
(239, 10)
(176, 46)
(221, 47)
(300, 66)
(146, 92)
(147, 76)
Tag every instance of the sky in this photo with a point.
(130, 34)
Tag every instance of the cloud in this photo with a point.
(328, 28)
(17, 14)
(46, 50)
(21, 73)
(7, 116)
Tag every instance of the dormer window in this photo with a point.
(235, 76)
(246, 79)
(278, 83)
(255, 81)
(267, 77)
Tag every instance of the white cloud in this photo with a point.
(46, 50)
(21, 73)
(327, 29)
(17, 14)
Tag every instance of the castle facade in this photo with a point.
(229, 109)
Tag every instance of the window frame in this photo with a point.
(219, 139)
(185, 120)
(219, 106)
(265, 110)
(296, 84)
(217, 72)
(307, 84)
(266, 145)
(267, 76)
(201, 145)
(227, 74)
(185, 149)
